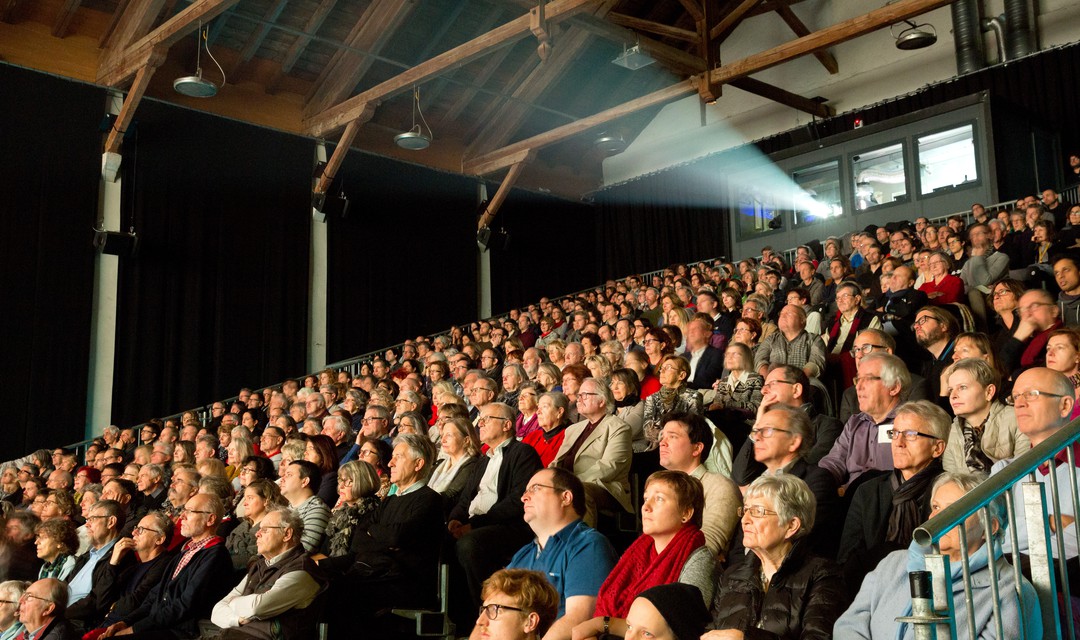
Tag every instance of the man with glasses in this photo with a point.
(487, 520)
(598, 450)
(274, 599)
(935, 331)
(1043, 400)
(574, 557)
(899, 309)
(517, 605)
(792, 345)
(183, 485)
(376, 423)
(123, 491)
(89, 582)
(864, 445)
(877, 341)
(850, 319)
(481, 392)
(42, 609)
(886, 510)
(192, 582)
(1026, 348)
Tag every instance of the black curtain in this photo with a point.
(402, 261)
(553, 249)
(660, 219)
(49, 172)
(216, 296)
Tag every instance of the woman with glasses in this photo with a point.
(56, 544)
(671, 549)
(1004, 299)
(942, 287)
(657, 345)
(674, 395)
(517, 605)
(358, 486)
(527, 398)
(260, 496)
(739, 393)
(377, 452)
(781, 590)
(253, 468)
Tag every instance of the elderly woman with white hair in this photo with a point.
(10, 593)
(781, 590)
(885, 594)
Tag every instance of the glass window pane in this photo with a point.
(880, 177)
(818, 193)
(947, 159)
(754, 212)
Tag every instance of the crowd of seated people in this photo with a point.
(776, 430)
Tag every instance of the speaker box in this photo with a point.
(115, 243)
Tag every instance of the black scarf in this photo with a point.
(908, 497)
(628, 401)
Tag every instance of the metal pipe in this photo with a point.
(1071, 458)
(997, 25)
(1018, 578)
(969, 595)
(1059, 537)
(1019, 31)
(992, 566)
(967, 37)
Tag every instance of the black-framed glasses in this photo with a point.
(910, 435)
(865, 349)
(492, 610)
(141, 529)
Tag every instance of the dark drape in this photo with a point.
(49, 172)
(553, 250)
(403, 261)
(216, 296)
(664, 218)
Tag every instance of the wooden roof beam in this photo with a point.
(824, 57)
(784, 97)
(255, 40)
(509, 33)
(125, 60)
(340, 151)
(732, 19)
(503, 191)
(693, 8)
(822, 39)
(131, 101)
(648, 26)
(135, 19)
(107, 34)
(314, 23)
(64, 16)
(370, 33)
(7, 10)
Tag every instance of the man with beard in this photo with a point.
(935, 331)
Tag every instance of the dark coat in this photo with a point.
(104, 592)
(805, 598)
(59, 630)
(132, 586)
(709, 368)
(520, 462)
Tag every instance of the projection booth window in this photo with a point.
(880, 177)
(756, 212)
(817, 193)
(947, 160)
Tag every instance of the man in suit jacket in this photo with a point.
(706, 362)
(598, 450)
(487, 522)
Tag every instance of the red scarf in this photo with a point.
(640, 568)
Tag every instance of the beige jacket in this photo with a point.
(604, 458)
(1001, 439)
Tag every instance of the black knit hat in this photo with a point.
(682, 607)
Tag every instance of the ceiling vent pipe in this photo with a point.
(1019, 30)
(967, 33)
(997, 25)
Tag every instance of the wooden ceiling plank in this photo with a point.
(825, 38)
(491, 65)
(7, 10)
(372, 31)
(648, 26)
(117, 68)
(495, 102)
(783, 96)
(440, 85)
(497, 130)
(64, 16)
(262, 29)
(502, 158)
(821, 39)
(296, 49)
(132, 100)
(693, 9)
(824, 57)
(513, 31)
(732, 19)
(503, 191)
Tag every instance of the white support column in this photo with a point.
(483, 267)
(318, 271)
(103, 315)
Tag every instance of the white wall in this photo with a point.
(871, 70)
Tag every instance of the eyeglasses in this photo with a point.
(866, 349)
(536, 487)
(755, 512)
(367, 420)
(141, 529)
(910, 435)
(27, 594)
(923, 320)
(1031, 307)
(857, 379)
(492, 610)
(88, 518)
(9, 602)
(484, 419)
(765, 432)
(248, 470)
(588, 394)
(1028, 396)
(770, 384)
(186, 511)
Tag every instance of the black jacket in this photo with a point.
(805, 598)
(92, 608)
(709, 368)
(520, 462)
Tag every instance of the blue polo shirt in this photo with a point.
(576, 561)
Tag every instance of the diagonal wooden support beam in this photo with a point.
(125, 60)
(732, 20)
(693, 8)
(132, 100)
(648, 26)
(64, 16)
(840, 32)
(342, 150)
(509, 33)
(824, 57)
(492, 208)
(785, 97)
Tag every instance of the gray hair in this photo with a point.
(13, 588)
(893, 370)
(934, 416)
(163, 524)
(791, 498)
(290, 519)
(966, 482)
(410, 396)
(381, 412)
(604, 391)
(295, 449)
(155, 471)
(798, 422)
(337, 422)
(420, 448)
(111, 429)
